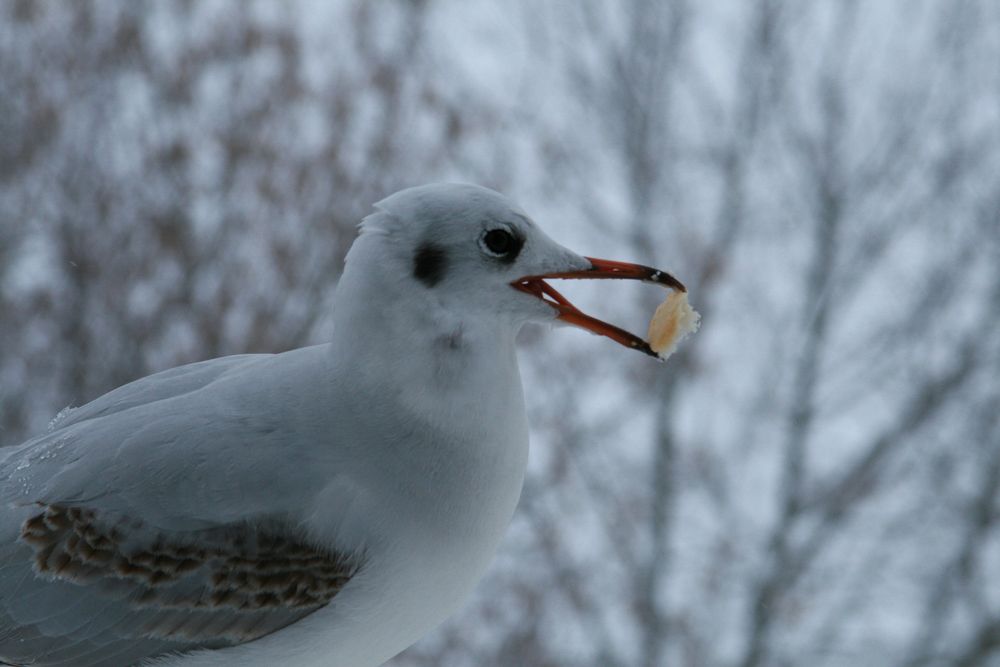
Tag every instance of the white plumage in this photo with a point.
(324, 506)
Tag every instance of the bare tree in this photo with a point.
(821, 184)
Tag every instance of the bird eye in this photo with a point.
(501, 243)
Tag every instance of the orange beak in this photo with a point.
(600, 268)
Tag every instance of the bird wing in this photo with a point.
(158, 519)
(156, 387)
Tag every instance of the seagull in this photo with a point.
(328, 505)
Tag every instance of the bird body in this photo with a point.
(445, 513)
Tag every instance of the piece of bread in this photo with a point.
(673, 320)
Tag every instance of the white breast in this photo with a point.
(428, 494)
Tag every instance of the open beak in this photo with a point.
(600, 268)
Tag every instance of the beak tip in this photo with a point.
(664, 278)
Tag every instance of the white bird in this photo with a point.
(324, 506)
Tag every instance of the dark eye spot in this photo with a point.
(502, 244)
(430, 264)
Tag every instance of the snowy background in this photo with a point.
(814, 481)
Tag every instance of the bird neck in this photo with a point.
(441, 389)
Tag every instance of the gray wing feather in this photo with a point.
(157, 387)
(80, 444)
(151, 520)
(199, 453)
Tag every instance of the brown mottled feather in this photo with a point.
(256, 571)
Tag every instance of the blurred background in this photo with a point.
(813, 481)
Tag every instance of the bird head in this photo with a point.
(470, 252)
